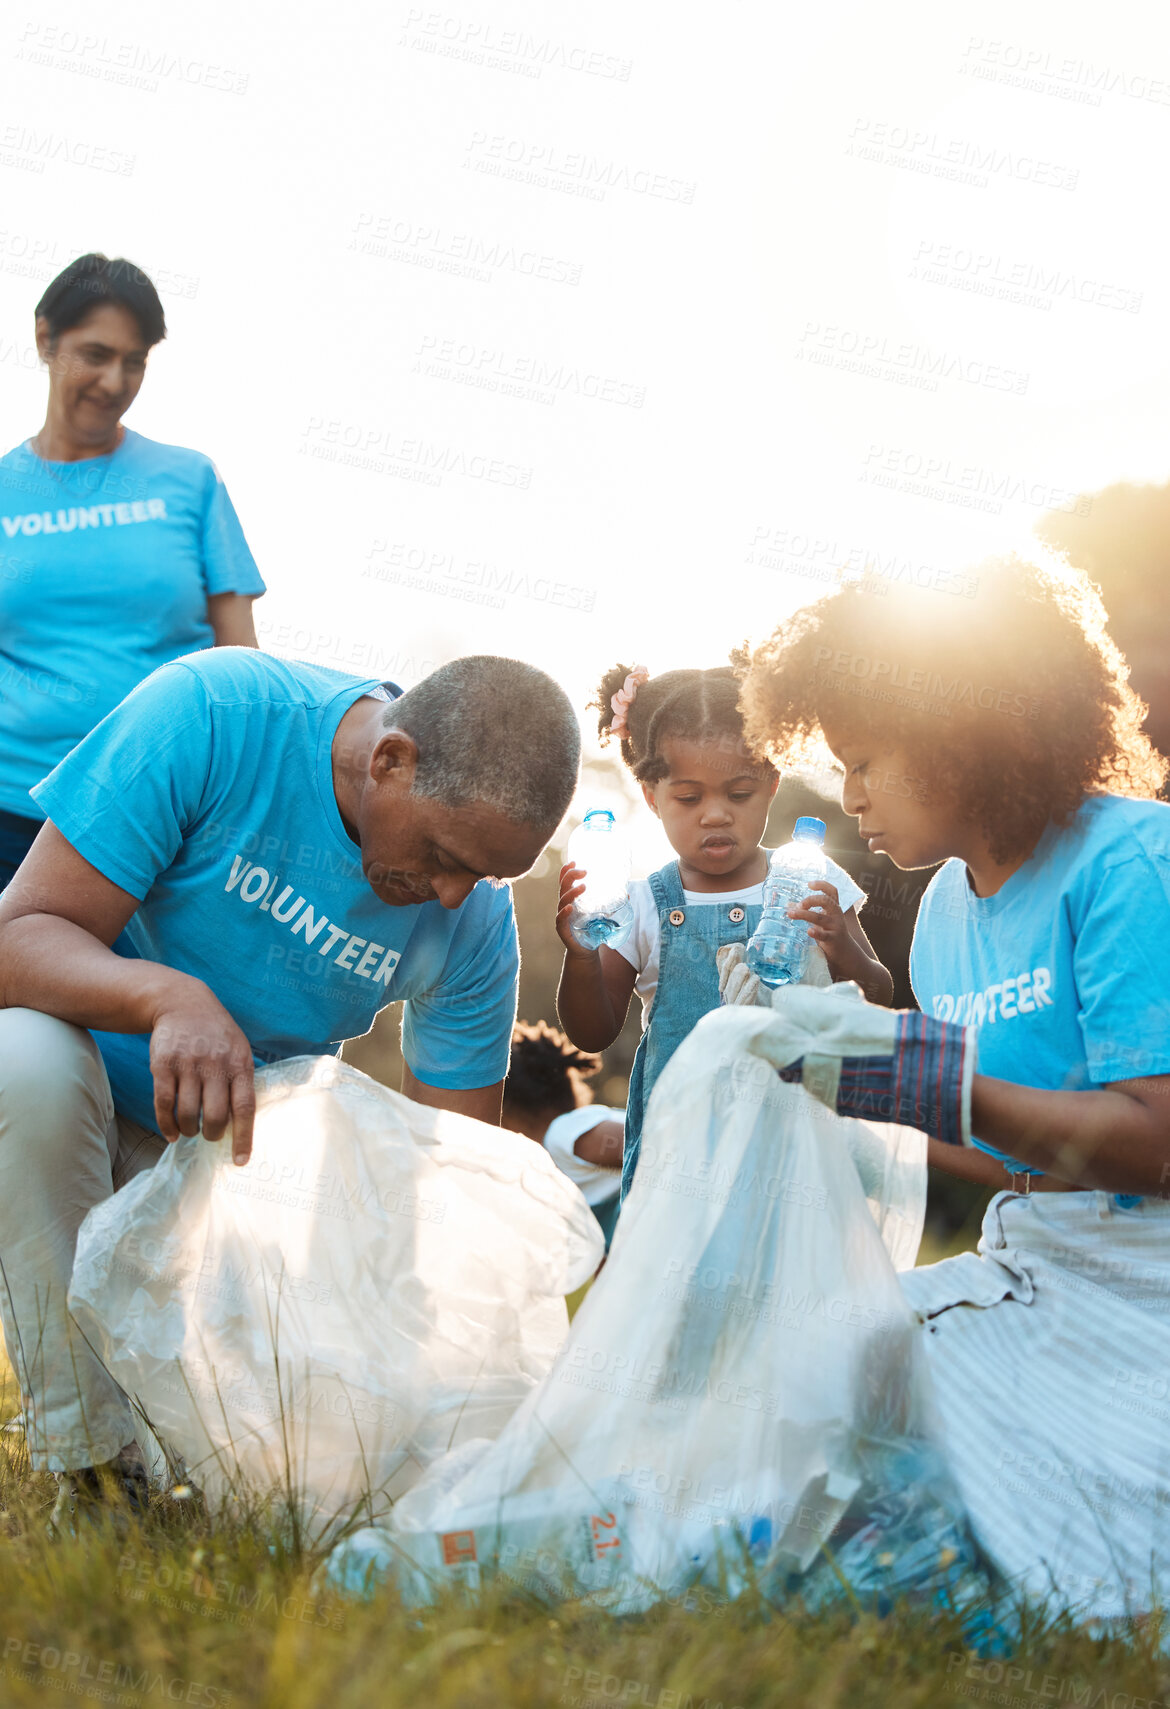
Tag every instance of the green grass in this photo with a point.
(177, 1608)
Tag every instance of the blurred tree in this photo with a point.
(1122, 540)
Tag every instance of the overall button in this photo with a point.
(676, 916)
(735, 916)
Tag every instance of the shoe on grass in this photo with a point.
(118, 1490)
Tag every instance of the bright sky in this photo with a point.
(586, 332)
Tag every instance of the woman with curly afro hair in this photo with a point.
(995, 731)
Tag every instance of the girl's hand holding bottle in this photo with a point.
(827, 927)
(572, 886)
(845, 946)
(596, 984)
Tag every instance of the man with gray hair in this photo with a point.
(246, 861)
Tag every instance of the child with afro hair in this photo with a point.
(545, 1098)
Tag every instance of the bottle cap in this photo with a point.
(809, 830)
(601, 818)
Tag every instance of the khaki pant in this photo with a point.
(63, 1149)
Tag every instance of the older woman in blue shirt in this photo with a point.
(117, 553)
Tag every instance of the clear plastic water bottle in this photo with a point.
(777, 951)
(603, 913)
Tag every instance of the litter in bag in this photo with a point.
(381, 1282)
(741, 1394)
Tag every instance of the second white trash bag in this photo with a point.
(745, 1373)
(380, 1282)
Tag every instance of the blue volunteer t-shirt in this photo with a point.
(208, 794)
(105, 569)
(1066, 969)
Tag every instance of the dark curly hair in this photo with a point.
(1012, 702)
(696, 705)
(545, 1070)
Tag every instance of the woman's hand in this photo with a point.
(202, 1068)
(572, 886)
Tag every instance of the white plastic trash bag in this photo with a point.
(743, 1382)
(381, 1282)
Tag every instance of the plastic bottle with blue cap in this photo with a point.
(603, 913)
(777, 951)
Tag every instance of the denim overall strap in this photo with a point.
(688, 987)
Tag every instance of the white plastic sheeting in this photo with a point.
(742, 1373)
(380, 1283)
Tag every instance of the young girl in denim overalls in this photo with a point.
(682, 738)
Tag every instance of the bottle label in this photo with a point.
(458, 1547)
(605, 1538)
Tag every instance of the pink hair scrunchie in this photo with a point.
(624, 699)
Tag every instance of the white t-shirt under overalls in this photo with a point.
(641, 948)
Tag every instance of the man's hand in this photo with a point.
(202, 1068)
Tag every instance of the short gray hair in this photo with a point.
(496, 731)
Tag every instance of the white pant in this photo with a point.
(63, 1149)
(1049, 1351)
